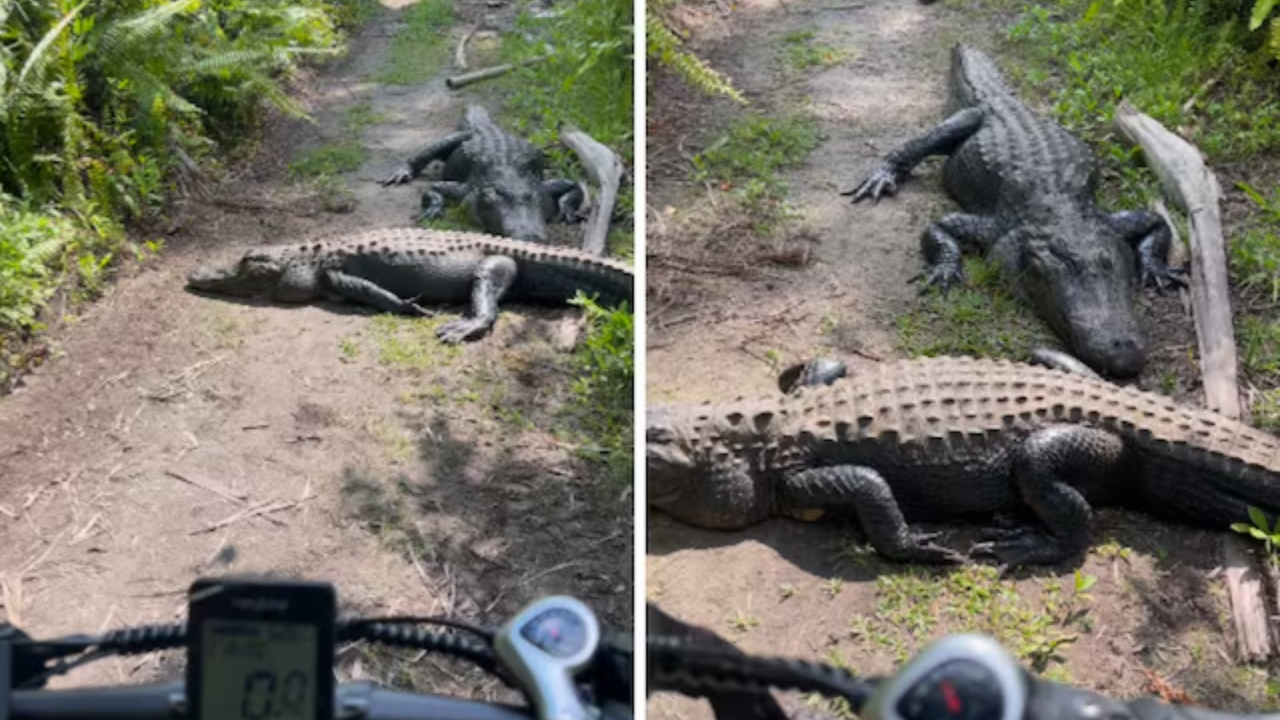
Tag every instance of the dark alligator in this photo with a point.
(1027, 188)
(499, 178)
(959, 439)
(397, 270)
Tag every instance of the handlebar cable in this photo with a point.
(676, 665)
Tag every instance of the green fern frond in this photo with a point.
(117, 38)
(667, 48)
(38, 59)
(1273, 40)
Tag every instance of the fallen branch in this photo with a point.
(465, 79)
(264, 508)
(1247, 589)
(1194, 190)
(207, 485)
(460, 54)
(604, 168)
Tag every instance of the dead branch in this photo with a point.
(1193, 189)
(210, 486)
(460, 54)
(460, 81)
(604, 168)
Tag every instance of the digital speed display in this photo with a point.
(258, 670)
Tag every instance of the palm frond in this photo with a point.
(37, 60)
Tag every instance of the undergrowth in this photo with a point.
(604, 388)
(421, 46)
(106, 106)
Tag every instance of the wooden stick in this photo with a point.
(1193, 189)
(604, 167)
(212, 487)
(1248, 601)
(460, 54)
(465, 79)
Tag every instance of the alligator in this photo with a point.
(497, 176)
(959, 439)
(397, 269)
(1027, 189)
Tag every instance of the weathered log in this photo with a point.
(465, 79)
(460, 53)
(604, 168)
(1247, 587)
(1192, 188)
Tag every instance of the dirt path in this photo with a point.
(807, 590)
(351, 448)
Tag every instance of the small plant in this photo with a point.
(1259, 528)
(787, 590)
(666, 47)
(329, 160)
(742, 622)
(800, 52)
(833, 586)
(604, 386)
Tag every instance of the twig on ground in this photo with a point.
(465, 79)
(181, 383)
(263, 509)
(219, 490)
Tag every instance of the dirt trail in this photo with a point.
(124, 462)
(786, 588)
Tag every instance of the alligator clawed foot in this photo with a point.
(882, 181)
(921, 548)
(1021, 548)
(461, 330)
(942, 277)
(399, 177)
(1162, 277)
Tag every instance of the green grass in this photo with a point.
(411, 343)
(342, 157)
(757, 147)
(981, 319)
(361, 116)
(421, 47)
(603, 389)
(800, 52)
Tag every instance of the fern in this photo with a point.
(667, 49)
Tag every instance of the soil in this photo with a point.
(176, 435)
(720, 329)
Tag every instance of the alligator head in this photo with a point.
(1080, 278)
(256, 273)
(700, 482)
(510, 200)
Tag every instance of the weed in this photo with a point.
(742, 622)
(341, 157)
(350, 349)
(421, 46)
(757, 147)
(833, 586)
(800, 52)
(604, 386)
(1265, 409)
(1260, 529)
(1259, 342)
(787, 590)
(982, 319)
(361, 116)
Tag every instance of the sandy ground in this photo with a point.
(786, 588)
(180, 435)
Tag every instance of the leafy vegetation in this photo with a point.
(104, 105)
(749, 156)
(604, 388)
(800, 52)
(667, 49)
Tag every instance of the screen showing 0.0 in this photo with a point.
(254, 670)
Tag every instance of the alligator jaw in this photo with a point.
(242, 278)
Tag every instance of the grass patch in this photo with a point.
(411, 343)
(421, 47)
(1159, 55)
(342, 157)
(456, 217)
(799, 51)
(361, 116)
(917, 606)
(982, 319)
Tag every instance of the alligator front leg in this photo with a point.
(435, 199)
(370, 293)
(492, 279)
(568, 196)
(944, 243)
(1151, 239)
(863, 490)
(435, 151)
(1047, 468)
(941, 140)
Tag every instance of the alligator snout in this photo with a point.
(1118, 357)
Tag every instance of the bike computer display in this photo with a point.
(260, 649)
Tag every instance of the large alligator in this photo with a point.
(1027, 188)
(499, 178)
(398, 269)
(959, 439)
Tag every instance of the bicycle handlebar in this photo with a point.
(167, 700)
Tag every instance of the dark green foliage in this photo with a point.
(604, 387)
(101, 101)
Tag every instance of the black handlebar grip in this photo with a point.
(1152, 709)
